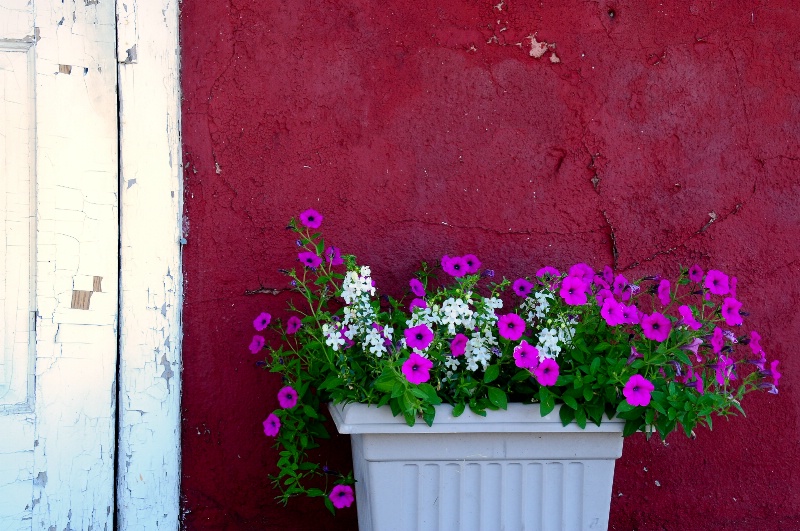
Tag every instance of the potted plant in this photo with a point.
(464, 402)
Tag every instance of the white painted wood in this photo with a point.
(57, 444)
(151, 283)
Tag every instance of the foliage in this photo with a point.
(660, 354)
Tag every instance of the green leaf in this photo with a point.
(329, 504)
(570, 401)
(624, 406)
(520, 376)
(491, 374)
(566, 414)
(580, 418)
(631, 427)
(497, 397)
(334, 381)
(458, 409)
(309, 411)
(430, 394)
(587, 393)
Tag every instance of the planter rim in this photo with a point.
(354, 418)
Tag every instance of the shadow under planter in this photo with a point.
(510, 470)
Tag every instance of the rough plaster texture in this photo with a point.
(641, 134)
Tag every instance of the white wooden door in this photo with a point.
(58, 263)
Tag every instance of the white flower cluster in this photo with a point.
(479, 349)
(376, 339)
(536, 306)
(333, 336)
(552, 339)
(359, 315)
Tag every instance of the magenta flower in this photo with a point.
(637, 390)
(663, 292)
(630, 314)
(311, 218)
(613, 312)
(287, 397)
(773, 371)
(419, 337)
(511, 326)
(634, 354)
(458, 345)
(723, 369)
(526, 356)
(583, 272)
(730, 311)
(695, 273)
(333, 256)
(717, 282)
(416, 287)
(693, 346)
(573, 291)
(309, 259)
(417, 303)
(602, 295)
(601, 282)
(522, 287)
(455, 266)
(416, 368)
(262, 321)
(608, 275)
(341, 496)
(547, 372)
(717, 340)
(293, 324)
(687, 318)
(755, 346)
(621, 287)
(272, 425)
(656, 327)
(473, 264)
(547, 270)
(257, 344)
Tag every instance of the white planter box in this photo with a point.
(511, 470)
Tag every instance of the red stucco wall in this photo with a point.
(424, 128)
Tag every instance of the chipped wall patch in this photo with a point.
(81, 299)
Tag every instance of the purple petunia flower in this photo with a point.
(723, 369)
(309, 259)
(634, 354)
(573, 291)
(272, 425)
(341, 496)
(293, 324)
(773, 371)
(717, 282)
(755, 344)
(663, 292)
(687, 318)
(693, 346)
(416, 287)
(547, 372)
(311, 218)
(695, 273)
(473, 264)
(547, 270)
(257, 344)
(455, 266)
(522, 287)
(419, 337)
(730, 311)
(583, 272)
(601, 282)
(630, 314)
(458, 345)
(526, 356)
(511, 326)
(637, 390)
(612, 312)
(621, 287)
(287, 397)
(333, 256)
(608, 275)
(416, 369)
(656, 327)
(417, 303)
(602, 295)
(717, 340)
(261, 322)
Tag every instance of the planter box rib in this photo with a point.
(511, 470)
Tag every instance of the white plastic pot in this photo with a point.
(511, 470)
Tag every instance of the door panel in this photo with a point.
(59, 264)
